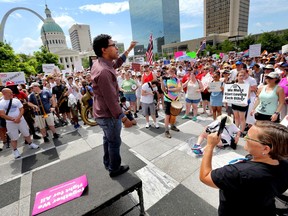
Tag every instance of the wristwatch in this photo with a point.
(277, 113)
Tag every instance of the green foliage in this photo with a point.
(156, 57)
(270, 41)
(8, 60)
(227, 46)
(284, 37)
(211, 49)
(85, 62)
(45, 57)
(246, 42)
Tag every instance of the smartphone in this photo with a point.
(222, 126)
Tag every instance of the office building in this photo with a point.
(80, 37)
(225, 17)
(160, 18)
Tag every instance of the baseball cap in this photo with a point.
(238, 63)
(10, 83)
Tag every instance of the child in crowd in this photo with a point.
(126, 108)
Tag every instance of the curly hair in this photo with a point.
(99, 42)
(275, 135)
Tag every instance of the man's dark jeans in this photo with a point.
(111, 142)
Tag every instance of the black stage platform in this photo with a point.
(102, 190)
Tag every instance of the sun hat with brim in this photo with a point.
(225, 71)
(273, 75)
(34, 84)
(269, 66)
(229, 119)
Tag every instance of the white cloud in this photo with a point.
(260, 24)
(107, 8)
(184, 26)
(64, 21)
(191, 7)
(10, 1)
(16, 15)
(29, 45)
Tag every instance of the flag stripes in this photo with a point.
(149, 52)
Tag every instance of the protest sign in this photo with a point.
(236, 93)
(285, 49)
(215, 86)
(254, 50)
(48, 68)
(136, 66)
(206, 80)
(59, 194)
(16, 77)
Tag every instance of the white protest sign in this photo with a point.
(206, 80)
(215, 86)
(236, 93)
(78, 66)
(285, 49)
(254, 50)
(48, 68)
(16, 77)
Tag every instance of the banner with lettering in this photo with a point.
(48, 68)
(59, 194)
(16, 77)
(236, 93)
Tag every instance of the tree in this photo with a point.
(246, 42)
(284, 37)
(211, 49)
(227, 46)
(85, 62)
(270, 41)
(45, 57)
(8, 60)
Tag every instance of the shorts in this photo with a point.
(262, 117)
(130, 97)
(148, 109)
(205, 96)
(13, 129)
(239, 108)
(192, 101)
(167, 107)
(41, 122)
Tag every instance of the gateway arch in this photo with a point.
(2, 26)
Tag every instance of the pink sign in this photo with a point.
(57, 195)
(178, 54)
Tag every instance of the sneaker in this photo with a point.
(56, 136)
(16, 154)
(185, 117)
(196, 147)
(46, 139)
(174, 128)
(135, 115)
(35, 136)
(194, 118)
(198, 152)
(121, 170)
(167, 134)
(156, 125)
(147, 125)
(33, 146)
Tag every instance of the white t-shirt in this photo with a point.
(233, 75)
(232, 130)
(147, 99)
(14, 110)
(252, 82)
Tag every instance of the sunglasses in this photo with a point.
(246, 138)
(113, 45)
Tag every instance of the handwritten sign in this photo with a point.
(215, 86)
(285, 49)
(236, 93)
(206, 80)
(136, 66)
(48, 68)
(254, 50)
(57, 195)
(16, 77)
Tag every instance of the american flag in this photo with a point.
(202, 47)
(149, 52)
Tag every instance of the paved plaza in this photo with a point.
(167, 167)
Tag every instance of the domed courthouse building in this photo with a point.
(54, 39)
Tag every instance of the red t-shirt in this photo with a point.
(184, 79)
(147, 78)
(21, 96)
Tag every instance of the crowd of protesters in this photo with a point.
(56, 99)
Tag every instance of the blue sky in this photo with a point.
(22, 29)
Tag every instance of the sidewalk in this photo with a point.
(168, 168)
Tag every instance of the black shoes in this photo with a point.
(174, 128)
(35, 136)
(56, 136)
(121, 170)
(46, 139)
